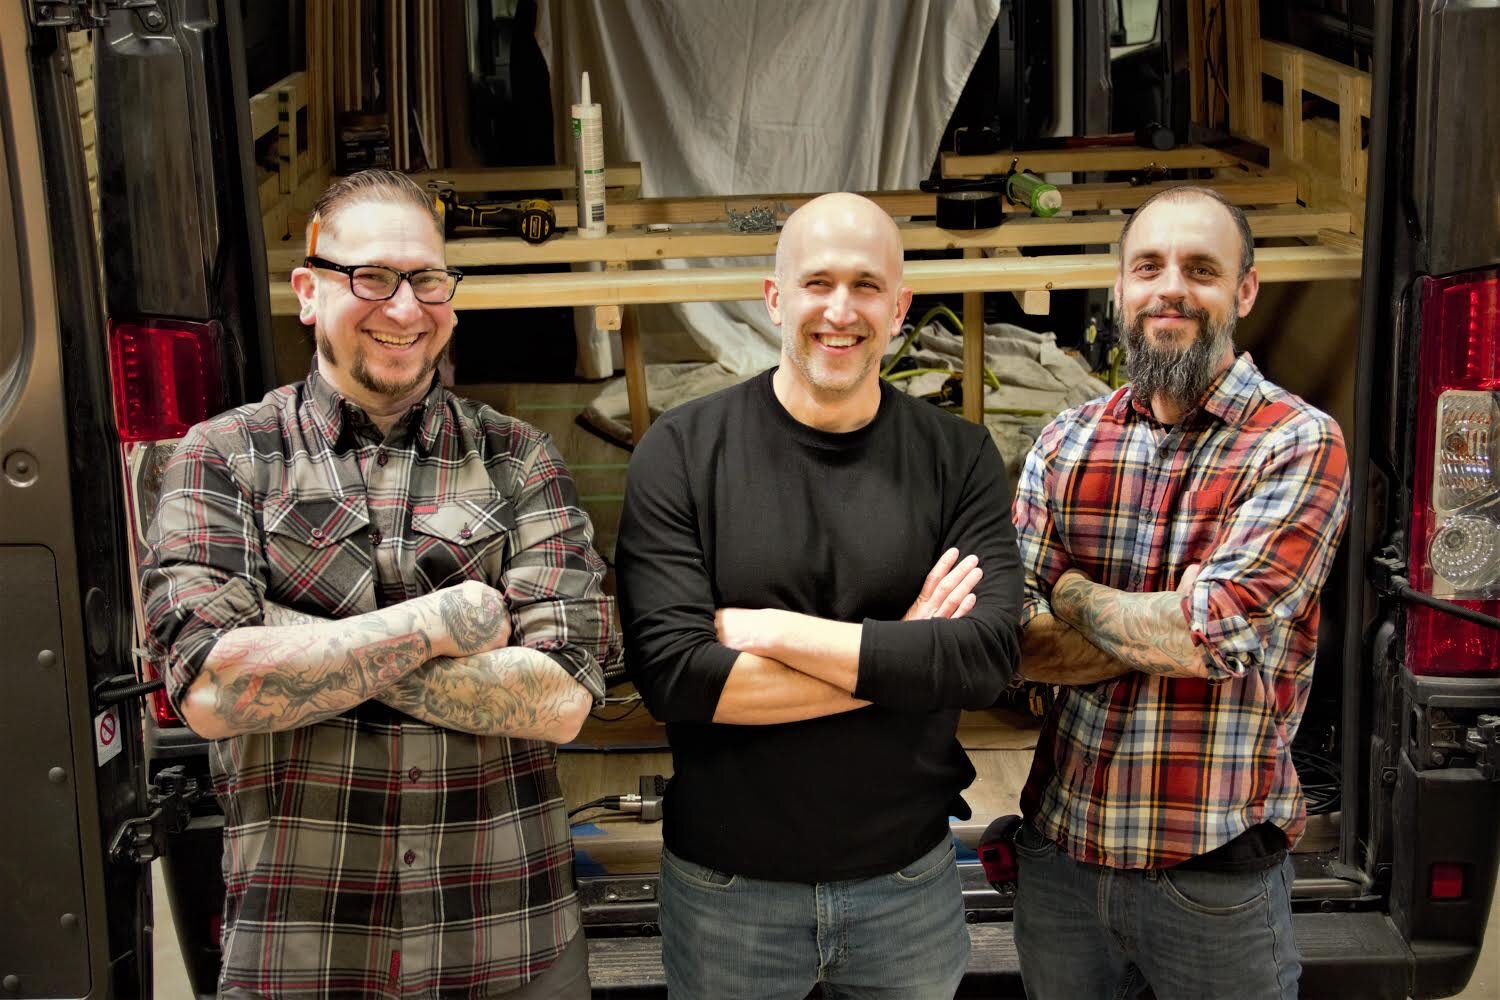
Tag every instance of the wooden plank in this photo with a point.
(504, 179)
(286, 139)
(1341, 239)
(718, 241)
(1291, 103)
(1352, 158)
(1034, 301)
(743, 284)
(1199, 86)
(1076, 197)
(973, 374)
(1098, 158)
(1320, 75)
(1242, 34)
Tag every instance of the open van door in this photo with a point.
(74, 895)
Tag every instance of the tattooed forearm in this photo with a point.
(476, 623)
(514, 692)
(1146, 631)
(284, 674)
(1054, 652)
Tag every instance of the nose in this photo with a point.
(1172, 285)
(404, 304)
(840, 309)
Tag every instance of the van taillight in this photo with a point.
(161, 706)
(1455, 522)
(166, 376)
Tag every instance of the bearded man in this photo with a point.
(1174, 538)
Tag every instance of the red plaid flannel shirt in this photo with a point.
(1147, 771)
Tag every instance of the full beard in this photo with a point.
(1180, 374)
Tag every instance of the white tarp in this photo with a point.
(734, 97)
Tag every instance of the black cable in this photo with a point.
(1404, 590)
(1321, 781)
(602, 802)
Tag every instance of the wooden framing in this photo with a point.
(1311, 196)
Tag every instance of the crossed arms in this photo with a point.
(442, 658)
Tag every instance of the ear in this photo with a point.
(903, 306)
(1248, 290)
(772, 292)
(305, 284)
(1119, 294)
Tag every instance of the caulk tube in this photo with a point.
(588, 142)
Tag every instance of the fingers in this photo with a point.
(961, 590)
(936, 575)
(965, 606)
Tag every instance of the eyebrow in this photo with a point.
(1193, 258)
(825, 272)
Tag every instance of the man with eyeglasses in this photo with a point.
(382, 604)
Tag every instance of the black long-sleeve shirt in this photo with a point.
(731, 502)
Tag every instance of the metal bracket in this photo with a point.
(1483, 741)
(83, 15)
(142, 838)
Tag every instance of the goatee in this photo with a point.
(1180, 374)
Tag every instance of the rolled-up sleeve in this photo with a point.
(939, 663)
(672, 652)
(1044, 559)
(204, 572)
(1274, 551)
(553, 579)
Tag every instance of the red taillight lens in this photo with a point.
(1446, 881)
(161, 706)
(1455, 523)
(166, 376)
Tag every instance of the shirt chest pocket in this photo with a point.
(462, 539)
(1195, 530)
(317, 551)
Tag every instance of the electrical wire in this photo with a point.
(1320, 776)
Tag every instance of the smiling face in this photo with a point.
(838, 299)
(1180, 293)
(378, 355)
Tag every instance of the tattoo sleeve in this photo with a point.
(283, 675)
(1054, 652)
(517, 692)
(1145, 631)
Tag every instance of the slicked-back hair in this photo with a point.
(1247, 241)
(374, 185)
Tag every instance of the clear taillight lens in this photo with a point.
(1455, 523)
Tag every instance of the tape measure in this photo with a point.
(969, 210)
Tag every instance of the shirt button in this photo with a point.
(414, 773)
(1088, 760)
(409, 857)
(317, 533)
(464, 532)
(375, 536)
(381, 457)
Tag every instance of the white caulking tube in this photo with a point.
(588, 141)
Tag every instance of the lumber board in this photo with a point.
(1076, 197)
(264, 110)
(744, 284)
(1244, 56)
(1320, 75)
(1087, 159)
(504, 179)
(973, 374)
(718, 241)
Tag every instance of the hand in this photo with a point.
(948, 590)
(739, 628)
(474, 619)
(1189, 577)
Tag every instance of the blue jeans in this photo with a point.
(1088, 932)
(898, 937)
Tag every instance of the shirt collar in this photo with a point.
(1228, 397)
(333, 414)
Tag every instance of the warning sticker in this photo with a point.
(107, 736)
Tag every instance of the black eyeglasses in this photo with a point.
(376, 282)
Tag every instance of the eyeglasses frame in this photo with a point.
(347, 270)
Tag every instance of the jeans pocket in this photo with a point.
(928, 866)
(1214, 894)
(694, 874)
(1032, 844)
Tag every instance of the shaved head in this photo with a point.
(839, 211)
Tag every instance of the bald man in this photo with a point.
(816, 574)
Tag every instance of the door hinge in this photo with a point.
(82, 15)
(1483, 741)
(142, 838)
